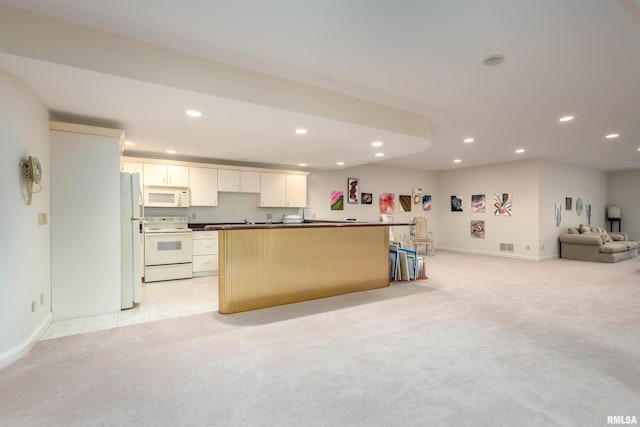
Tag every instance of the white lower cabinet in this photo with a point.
(205, 253)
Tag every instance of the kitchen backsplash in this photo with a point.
(232, 207)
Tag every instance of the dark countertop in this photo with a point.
(305, 224)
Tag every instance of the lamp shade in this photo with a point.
(613, 212)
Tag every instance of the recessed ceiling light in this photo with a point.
(493, 60)
(340, 163)
(376, 144)
(612, 135)
(457, 161)
(301, 131)
(171, 151)
(193, 113)
(302, 164)
(565, 119)
(469, 140)
(129, 143)
(379, 154)
(520, 151)
(638, 148)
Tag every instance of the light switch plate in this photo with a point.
(42, 218)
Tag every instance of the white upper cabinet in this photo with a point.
(273, 189)
(296, 191)
(238, 181)
(167, 175)
(283, 190)
(203, 186)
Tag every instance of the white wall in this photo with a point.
(520, 178)
(25, 246)
(623, 189)
(85, 230)
(374, 179)
(559, 181)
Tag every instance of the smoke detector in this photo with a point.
(493, 60)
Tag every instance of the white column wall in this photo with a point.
(85, 231)
(25, 255)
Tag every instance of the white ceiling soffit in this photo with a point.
(247, 116)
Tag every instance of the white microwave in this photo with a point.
(166, 197)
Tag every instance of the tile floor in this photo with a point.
(160, 300)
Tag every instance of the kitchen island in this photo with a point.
(264, 265)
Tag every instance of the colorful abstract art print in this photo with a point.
(366, 198)
(502, 204)
(337, 200)
(405, 202)
(478, 203)
(456, 204)
(477, 229)
(426, 202)
(387, 203)
(417, 195)
(352, 190)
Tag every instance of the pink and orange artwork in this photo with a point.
(387, 203)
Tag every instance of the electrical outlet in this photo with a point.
(193, 215)
(41, 298)
(269, 216)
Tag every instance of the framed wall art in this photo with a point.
(568, 202)
(387, 203)
(456, 204)
(337, 200)
(352, 190)
(502, 204)
(478, 202)
(426, 202)
(366, 198)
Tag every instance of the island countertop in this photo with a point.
(305, 224)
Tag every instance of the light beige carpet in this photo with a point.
(484, 342)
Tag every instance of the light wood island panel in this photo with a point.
(268, 266)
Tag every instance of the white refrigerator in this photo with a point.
(132, 239)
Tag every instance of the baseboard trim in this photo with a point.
(12, 355)
(489, 253)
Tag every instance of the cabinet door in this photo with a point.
(296, 191)
(203, 183)
(178, 176)
(228, 180)
(155, 174)
(273, 189)
(249, 182)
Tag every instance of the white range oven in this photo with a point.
(168, 248)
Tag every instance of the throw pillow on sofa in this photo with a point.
(585, 229)
(605, 236)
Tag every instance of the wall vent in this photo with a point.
(507, 247)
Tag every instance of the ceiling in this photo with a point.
(575, 57)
